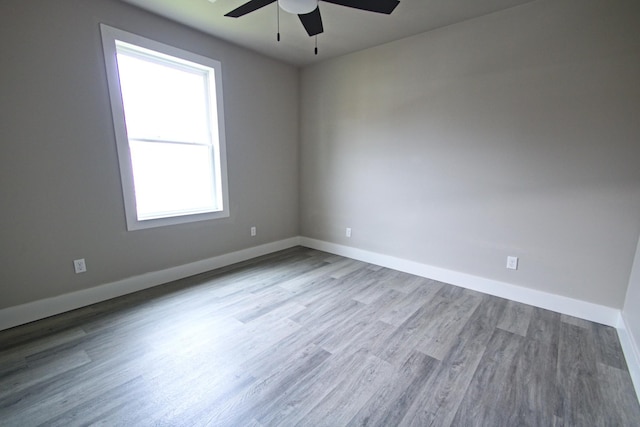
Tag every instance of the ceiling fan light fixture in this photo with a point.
(298, 7)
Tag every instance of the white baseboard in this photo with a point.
(631, 352)
(36, 310)
(560, 304)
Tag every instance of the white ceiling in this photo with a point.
(346, 30)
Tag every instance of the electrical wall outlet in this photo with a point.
(347, 232)
(79, 265)
(512, 262)
(254, 231)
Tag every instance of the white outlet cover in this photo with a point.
(79, 265)
(512, 262)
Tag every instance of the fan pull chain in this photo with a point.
(316, 49)
(278, 19)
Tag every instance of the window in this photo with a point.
(169, 126)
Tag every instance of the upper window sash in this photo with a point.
(195, 91)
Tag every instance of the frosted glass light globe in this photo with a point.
(298, 7)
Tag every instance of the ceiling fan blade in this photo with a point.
(312, 22)
(380, 6)
(249, 7)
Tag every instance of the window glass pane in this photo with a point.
(163, 102)
(172, 178)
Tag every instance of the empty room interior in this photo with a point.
(417, 213)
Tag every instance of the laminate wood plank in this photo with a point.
(234, 304)
(222, 282)
(198, 352)
(327, 312)
(239, 410)
(181, 331)
(533, 384)
(364, 337)
(309, 278)
(169, 314)
(229, 281)
(575, 321)
(57, 395)
(214, 286)
(330, 332)
(312, 253)
(348, 269)
(118, 406)
(22, 351)
(262, 303)
(619, 399)
(260, 365)
(290, 407)
(36, 373)
(396, 349)
(359, 321)
(257, 263)
(287, 309)
(319, 292)
(358, 280)
(33, 331)
(577, 375)
(350, 394)
(282, 274)
(438, 401)
(516, 318)
(186, 395)
(607, 346)
(194, 348)
(491, 397)
(10, 366)
(544, 326)
(334, 289)
(197, 338)
(405, 308)
(452, 292)
(330, 258)
(389, 404)
(442, 330)
(193, 292)
(372, 284)
(370, 290)
(257, 337)
(402, 282)
(277, 259)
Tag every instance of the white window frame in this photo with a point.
(109, 37)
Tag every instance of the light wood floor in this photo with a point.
(306, 338)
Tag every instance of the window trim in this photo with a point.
(109, 37)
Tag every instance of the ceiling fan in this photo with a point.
(309, 13)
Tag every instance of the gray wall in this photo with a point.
(513, 134)
(516, 133)
(59, 180)
(631, 311)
